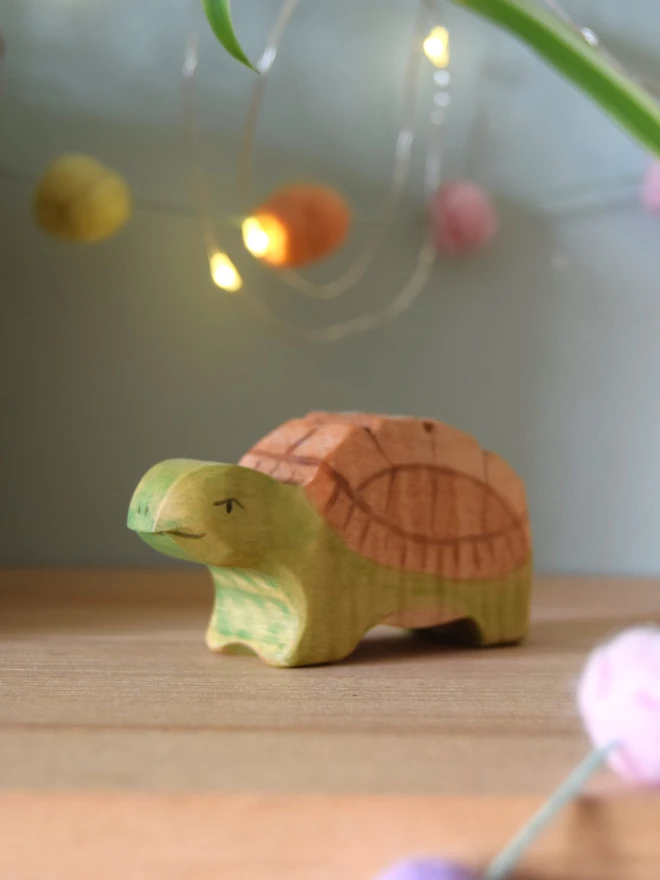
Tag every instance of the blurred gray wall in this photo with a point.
(547, 347)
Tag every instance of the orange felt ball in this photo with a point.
(298, 225)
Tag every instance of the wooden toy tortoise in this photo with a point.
(337, 522)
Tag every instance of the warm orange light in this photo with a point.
(224, 273)
(255, 237)
(297, 225)
(266, 238)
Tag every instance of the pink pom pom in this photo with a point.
(427, 869)
(619, 700)
(464, 218)
(650, 193)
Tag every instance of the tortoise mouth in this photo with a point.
(195, 536)
(169, 545)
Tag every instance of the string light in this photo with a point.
(387, 213)
(297, 225)
(224, 273)
(266, 238)
(255, 237)
(421, 273)
(436, 47)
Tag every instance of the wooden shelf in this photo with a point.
(106, 685)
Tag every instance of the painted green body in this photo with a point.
(286, 585)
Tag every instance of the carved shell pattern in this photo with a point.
(408, 493)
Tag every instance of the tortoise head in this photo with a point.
(216, 514)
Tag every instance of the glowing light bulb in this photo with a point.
(224, 273)
(436, 47)
(255, 237)
(266, 238)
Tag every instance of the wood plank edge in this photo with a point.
(82, 834)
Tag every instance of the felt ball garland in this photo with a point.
(463, 218)
(81, 200)
(650, 192)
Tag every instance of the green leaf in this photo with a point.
(218, 13)
(619, 95)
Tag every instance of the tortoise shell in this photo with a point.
(413, 494)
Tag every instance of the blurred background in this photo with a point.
(117, 355)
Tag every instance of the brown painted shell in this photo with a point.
(409, 493)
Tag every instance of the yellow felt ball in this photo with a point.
(79, 199)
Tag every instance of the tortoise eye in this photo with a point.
(228, 504)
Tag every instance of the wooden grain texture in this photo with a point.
(105, 681)
(110, 703)
(334, 524)
(136, 837)
(414, 494)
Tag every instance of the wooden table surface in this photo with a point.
(106, 685)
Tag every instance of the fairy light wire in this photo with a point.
(200, 184)
(397, 307)
(553, 200)
(567, 200)
(351, 276)
(404, 299)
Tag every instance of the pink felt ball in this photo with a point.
(619, 700)
(463, 217)
(427, 869)
(650, 193)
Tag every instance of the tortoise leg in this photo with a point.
(254, 613)
(501, 608)
(321, 644)
(483, 613)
